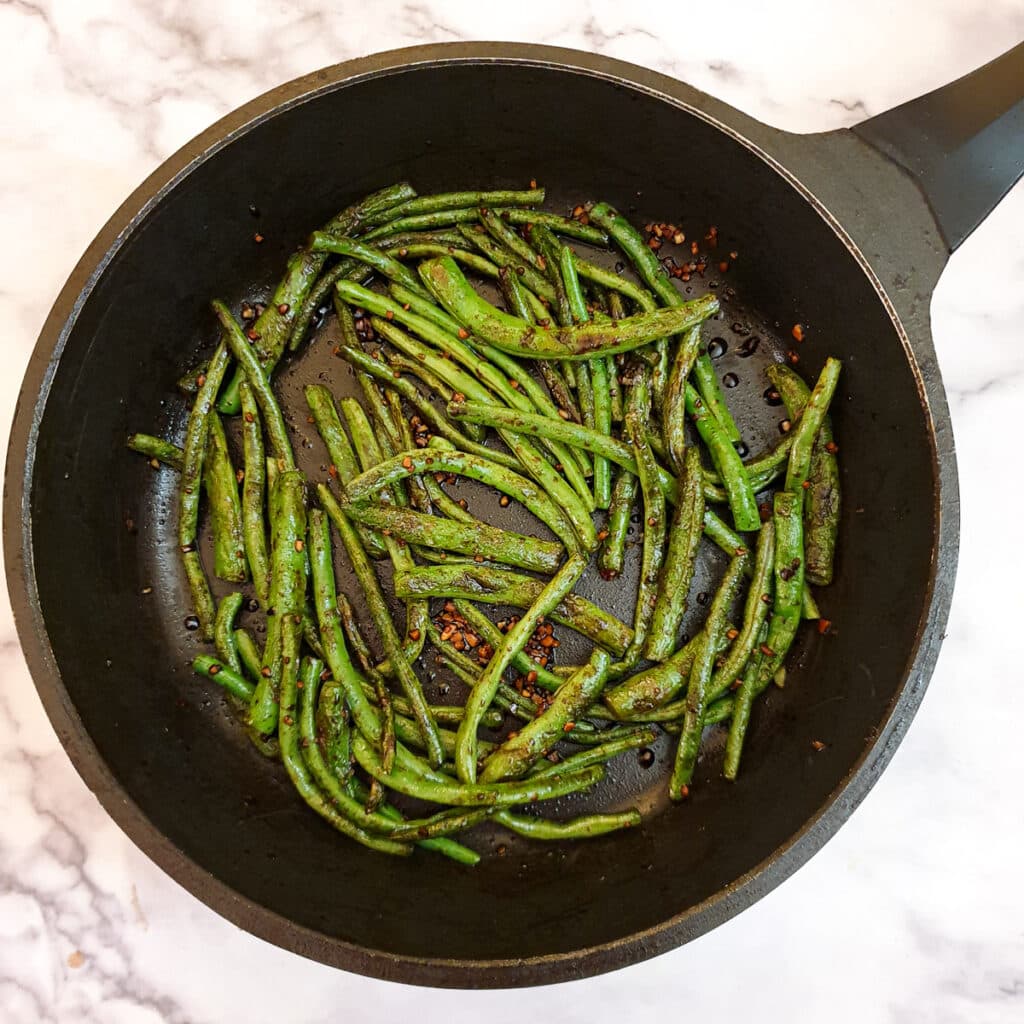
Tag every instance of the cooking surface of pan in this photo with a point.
(112, 662)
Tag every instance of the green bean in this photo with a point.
(822, 498)
(573, 435)
(423, 222)
(434, 460)
(559, 225)
(677, 574)
(225, 507)
(599, 754)
(157, 448)
(789, 551)
(368, 254)
(490, 542)
(550, 596)
(514, 295)
(457, 200)
(248, 653)
(333, 734)
(653, 552)
(519, 753)
(620, 509)
(381, 616)
(277, 325)
(655, 686)
(223, 630)
(727, 463)
(501, 257)
(411, 394)
(491, 585)
(196, 434)
(653, 274)
(288, 586)
(585, 341)
(764, 467)
(298, 771)
(559, 389)
(474, 261)
(507, 236)
(585, 827)
(621, 285)
(254, 486)
(460, 794)
(264, 395)
(754, 614)
(808, 427)
(591, 380)
(404, 238)
(224, 675)
(490, 634)
(700, 677)
(754, 682)
(673, 413)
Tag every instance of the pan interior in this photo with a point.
(103, 525)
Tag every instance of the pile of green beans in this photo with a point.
(575, 402)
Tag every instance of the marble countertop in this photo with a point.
(914, 912)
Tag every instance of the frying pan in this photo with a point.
(845, 232)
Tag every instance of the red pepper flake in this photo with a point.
(732, 633)
(568, 727)
(283, 308)
(478, 558)
(214, 669)
(407, 462)
(792, 357)
(652, 521)
(265, 672)
(389, 315)
(299, 545)
(332, 471)
(249, 418)
(564, 414)
(798, 332)
(239, 475)
(463, 333)
(533, 183)
(252, 334)
(654, 244)
(602, 534)
(288, 720)
(824, 625)
(831, 447)
(818, 745)
(201, 380)
(504, 500)
(806, 485)
(257, 238)
(723, 266)
(766, 651)
(414, 634)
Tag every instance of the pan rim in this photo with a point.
(228, 902)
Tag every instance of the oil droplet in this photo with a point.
(191, 622)
(772, 397)
(730, 380)
(717, 347)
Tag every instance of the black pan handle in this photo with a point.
(963, 144)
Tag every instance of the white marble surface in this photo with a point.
(914, 912)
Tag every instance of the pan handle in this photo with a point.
(963, 144)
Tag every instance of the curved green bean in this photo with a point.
(585, 341)
(585, 827)
(549, 597)
(254, 487)
(157, 448)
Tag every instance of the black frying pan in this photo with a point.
(846, 232)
